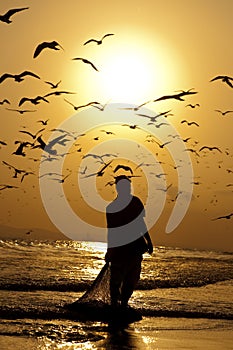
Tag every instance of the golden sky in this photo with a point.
(158, 48)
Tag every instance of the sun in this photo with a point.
(134, 74)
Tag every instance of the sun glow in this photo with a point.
(135, 74)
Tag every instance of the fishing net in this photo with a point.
(99, 292)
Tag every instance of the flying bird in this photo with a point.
(34, 136)
(84, 60)
(82, 106)
(224, 217)
(43, 122)
(58, 93)
(98, 42)
(3, 143)
(131, 126)
(124, 167)
(137, 107)
(16, 170)
(225, 79)
(18, 77)
(3, 187)
(163, 144)
(54, 45)
(21, 111)
(101, 171)
(34, 101)
(193, 106)
(6, 17)
(223, 113)
(4, 101)
(49, 147)
(178, 96)
(53, 86)
(153, 118)
(20, 150)
(210, 148)
(189, 123)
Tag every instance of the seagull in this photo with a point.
(108, 132)
(3, 187)
(50, 45)
(19, 151)
(100, 106)
(189, 123)
(131, 126)
(210, 148)
(164, 189)
(63, 178)
(21, 111)
(43, 122)
(48, 147)
(34, 101)
(137, 107)
(153, 118)
(53, 86)
(191, 150)
(224, 217)
(99, 157)
(162, 145)
(98, 42)
(58, 93)
(143, 164)
(82, 106)
(34, 136)
(193, 106)
(225, 79)
(16, 170)
(18, 77)
(101, 171)
(223, 113)
(177, 96)
(85, 61)
(6, 17)
(3, 143)
(4, 101)
(124, 167)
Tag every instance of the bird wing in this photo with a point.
(11, 12)
(164, 98)
(39, 48)
(5, 76)
(29, 73)
(125, 167)
(54, 141)
(89, 41)
(89, 62)
(23, 99)
(218, 77)
(229, 83)
(109, 34)
(27, 132)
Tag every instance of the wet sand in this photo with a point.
(149, 333)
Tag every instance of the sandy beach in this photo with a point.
(149, 333)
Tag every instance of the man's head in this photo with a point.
(123, 185)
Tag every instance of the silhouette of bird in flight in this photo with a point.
(131, 126)
(84, 60)
(224, 217)
(210, 148)
(143, 164)
(6, 17)
(101, 171)
(34, 101)
(98, 42)
(43, 122)
(164, 189)
(21, 111)
(54, 45)
(3, 143)
(82, 106)
(225, 79)
(137, 107)
(153, 118)
(124, 167)
(3, 187)
(53, 86)
(62, 180)
(99, 157)
(18, 77)
(189, 123)
(163, 144)
(193, 106)
(223, 113)
(16, 170)
(49, 147)
(192, 151)
(20, 150)
(4, 101)
(177, 96)
(34, 136)
(100, 106)
(58, 93)
(108, 132)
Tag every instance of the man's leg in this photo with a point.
(131, 279)
(116, 278)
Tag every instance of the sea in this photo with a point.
(179, 289)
